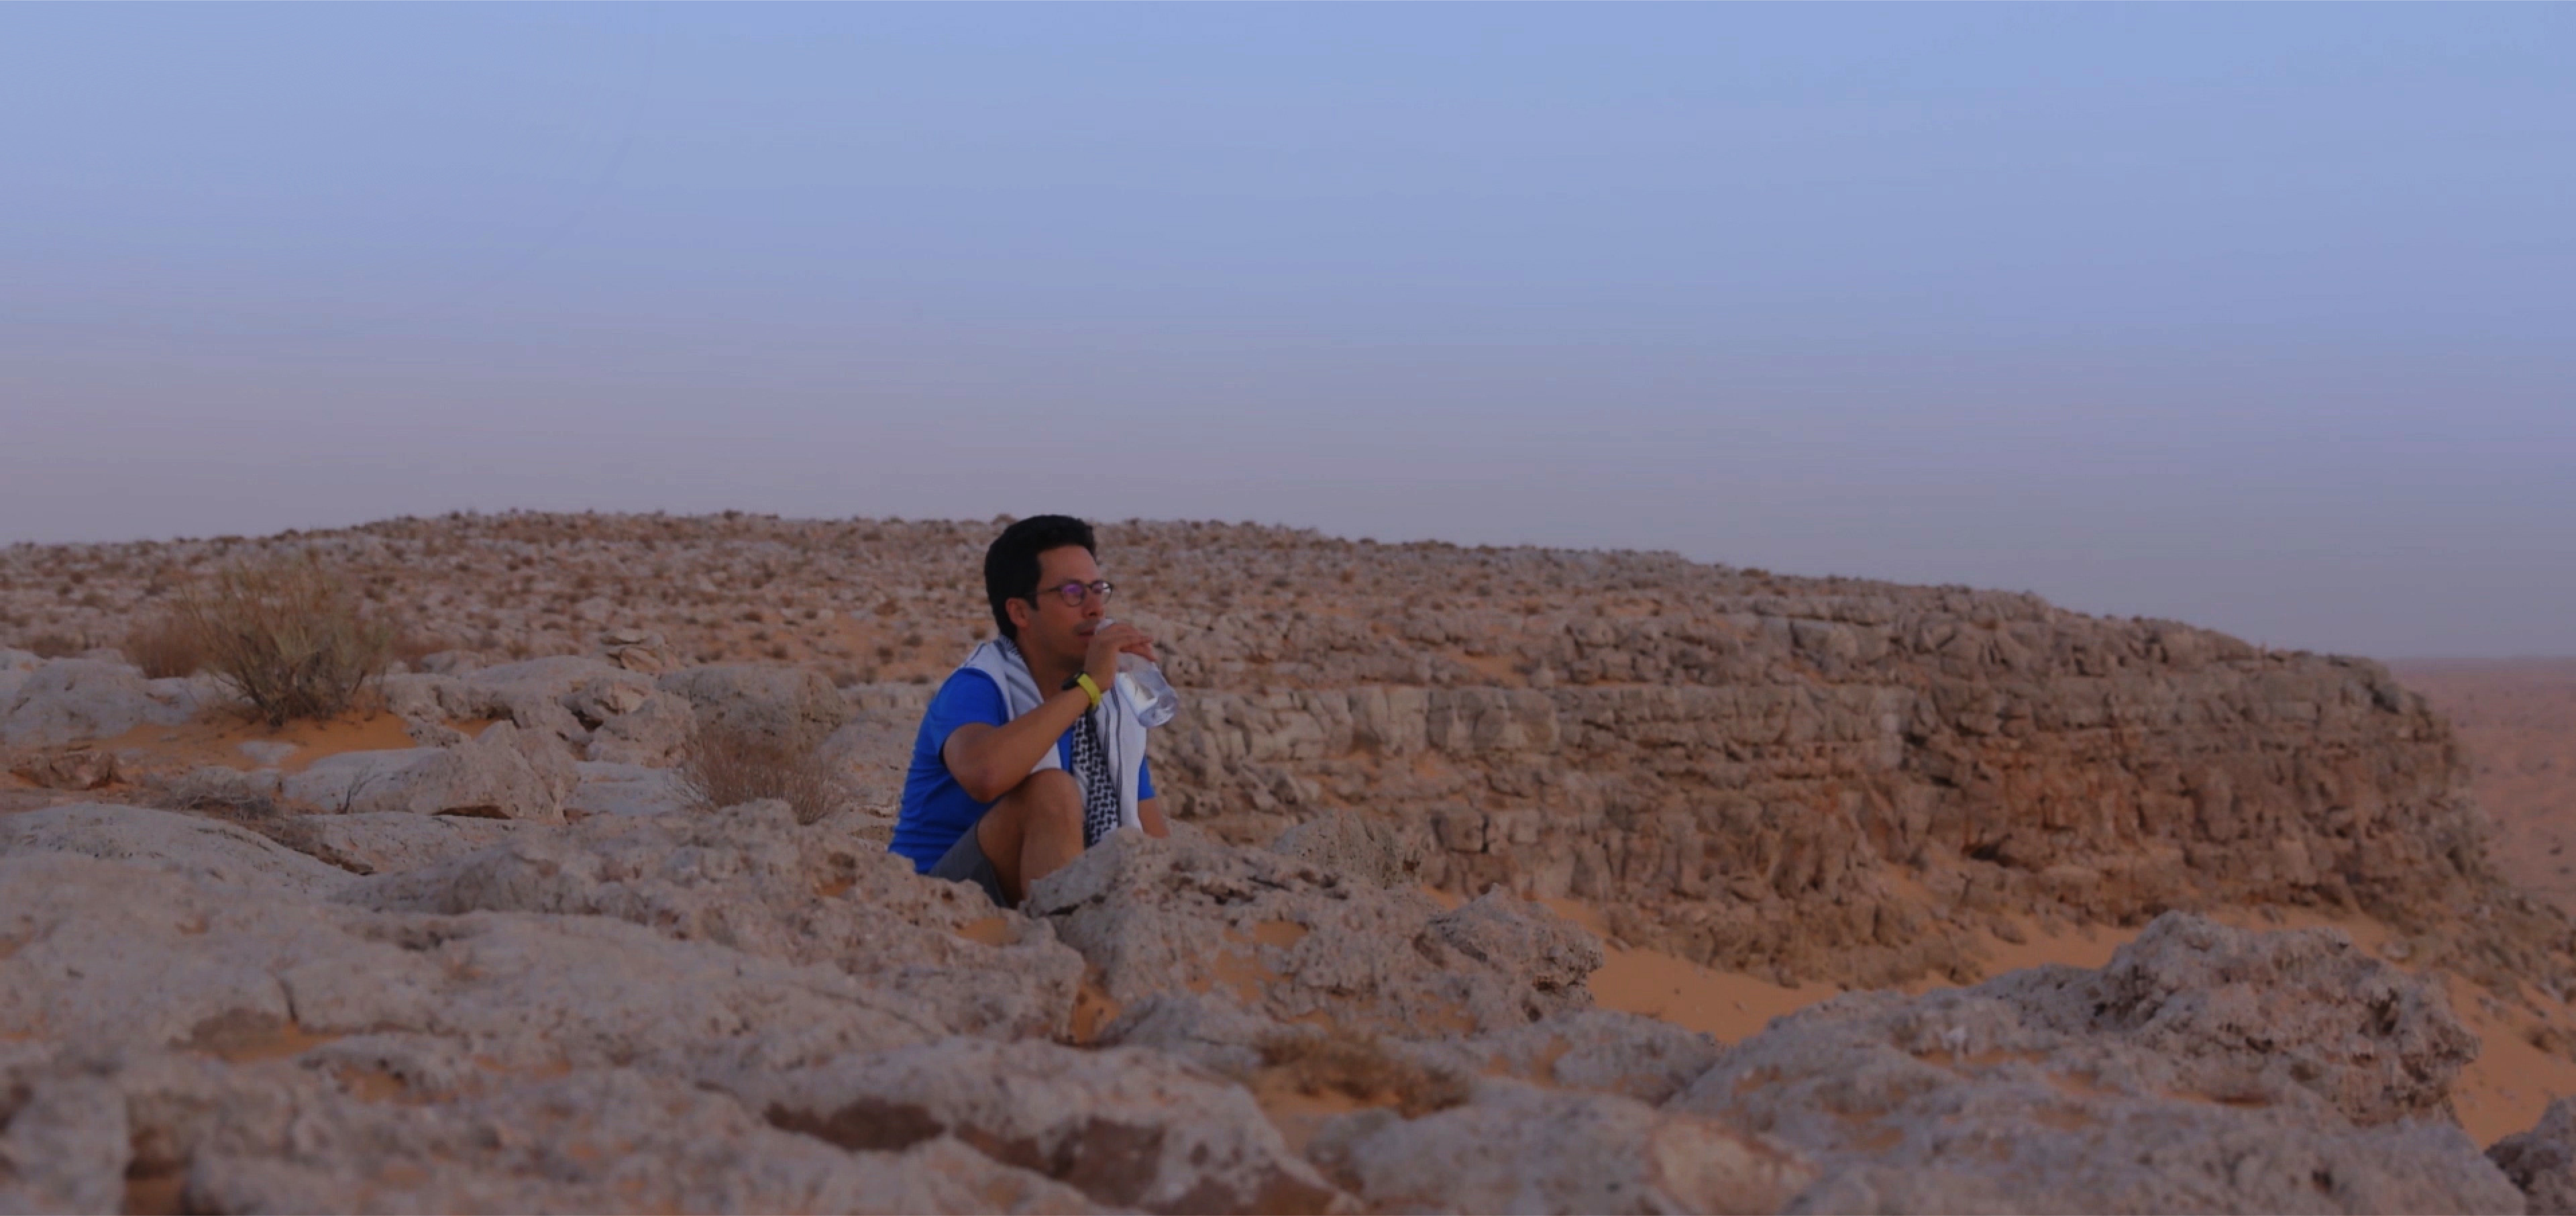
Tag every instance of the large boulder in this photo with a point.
(76, 700)
(1127, 1127)
(502, 773)
(779, 706)
(752, 879)
(1294, 942)
(2290, 1079)
(168, 843)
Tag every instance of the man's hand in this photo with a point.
(1107, 643)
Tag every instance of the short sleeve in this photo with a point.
(968, 696)
(1144, 778)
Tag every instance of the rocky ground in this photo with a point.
(480, 949)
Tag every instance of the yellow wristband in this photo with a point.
(1089, 689)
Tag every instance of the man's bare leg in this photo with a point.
(1034, 831)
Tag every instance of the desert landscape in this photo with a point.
(2517, 720)
(1501, 879)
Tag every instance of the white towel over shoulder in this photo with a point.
(1120, 731)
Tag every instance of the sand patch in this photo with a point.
(1093, 1008)
(218, 740)
(157, 1195)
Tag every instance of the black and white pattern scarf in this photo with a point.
(1099, 785)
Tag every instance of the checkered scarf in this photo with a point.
(1099, 785)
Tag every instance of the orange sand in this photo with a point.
(218, 740)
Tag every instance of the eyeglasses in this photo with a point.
(1075, 593)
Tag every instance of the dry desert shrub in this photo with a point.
(1356, 1066)
(287, 635)
(165, 646)
(728, 766)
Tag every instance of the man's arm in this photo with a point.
(1150, 813)
(989, 761)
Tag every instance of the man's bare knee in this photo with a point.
(1053, 792)
(1047, 796)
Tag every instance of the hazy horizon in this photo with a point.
(2257, 318)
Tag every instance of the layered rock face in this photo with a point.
(1818, 778)
(1745, 780)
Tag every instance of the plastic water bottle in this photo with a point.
(1146, 690)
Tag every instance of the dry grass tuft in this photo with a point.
(1360, 1067)
(165, 646)
(728, 766)
(287, 635)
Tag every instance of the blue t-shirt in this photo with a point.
(937, 810)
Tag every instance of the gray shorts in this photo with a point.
(965, 862)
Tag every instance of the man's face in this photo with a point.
(1051, 625)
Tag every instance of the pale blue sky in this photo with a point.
(2259, 317)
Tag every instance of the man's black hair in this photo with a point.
(1011, 564)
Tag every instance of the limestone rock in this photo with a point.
(185, 845)
(185, 963)
(1217, 1035)
(1516, 1148)
(1124, 1126)
(63, 1146)
(15, 667)
(1287, 940)
(871, 754)
(67, 768)
(653, 730)
(2283, 1016)
(576, 683)
(783, 705)
(2542, 1161)
(503, 773)
(636, 650)
(606, 788)
(390, 842)
(77, 700)
(2288, 1085)
(1596, 1050)
(277, 1138)
(751, 879)
(1387, 852)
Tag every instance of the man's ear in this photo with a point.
(1019, 611)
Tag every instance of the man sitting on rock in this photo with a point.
(1027, 756)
